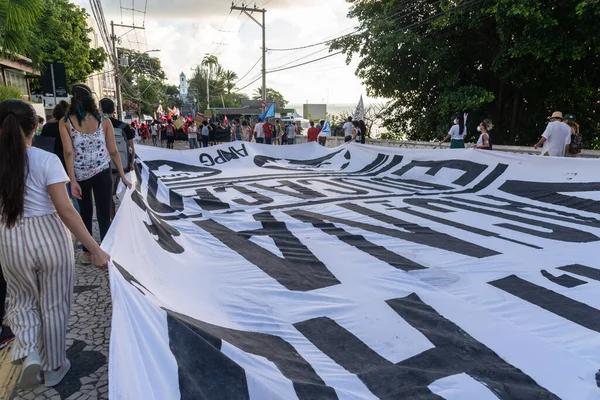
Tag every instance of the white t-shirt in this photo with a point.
(558, 136)
(455, 132)
(192, 132)
(348, 126)
(258, 129)
(44, 169)
(154, 130)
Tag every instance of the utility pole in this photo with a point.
(114, 40)
(248, 11)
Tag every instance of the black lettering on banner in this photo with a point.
(410, 184)
(349, 190)
(205, 372)
(563, 306)
(277, 163)
(582, 270)
(524, 208)
(203, 172)
(557, 232)
(551, 193)
(208, 201)
(359, 241)
(165, 233)
(416, 233)
(564, 280)
(471, 169)
(299, 191)
(223, 156)
(379, 161)
(455, 352)
(396, 160)
(299, 270)
(260, 199)
(365, 184)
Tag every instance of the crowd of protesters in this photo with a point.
(561, 138)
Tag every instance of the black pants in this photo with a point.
(2, 295)
(260, 140)
(101, 186)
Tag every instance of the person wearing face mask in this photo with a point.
(457, 133)
(485, 140)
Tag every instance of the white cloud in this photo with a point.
(185, 30)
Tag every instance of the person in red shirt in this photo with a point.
(312, 132)
(268, 129)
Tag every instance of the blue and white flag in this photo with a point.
(326, 131)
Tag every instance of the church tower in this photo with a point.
(183, 88)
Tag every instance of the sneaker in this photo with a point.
(30, 372)
(6, 336)
(53, 378)
(85, 258)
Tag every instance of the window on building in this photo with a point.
(17, 80)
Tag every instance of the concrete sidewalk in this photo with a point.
(87, 341)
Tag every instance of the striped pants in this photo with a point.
(37, 260)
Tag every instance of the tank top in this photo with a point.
(89, 152)
(480, 142)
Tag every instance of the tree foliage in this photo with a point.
(18, 19)
(273, 96)
(514, 61)
(61, 36)
(221, 84)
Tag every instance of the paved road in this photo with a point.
(87, 341)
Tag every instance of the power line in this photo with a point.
(250, 70)
(304, 63)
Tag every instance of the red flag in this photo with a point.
(226, 120)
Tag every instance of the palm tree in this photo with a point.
(210, 62)
(17, 19)
(230, 77)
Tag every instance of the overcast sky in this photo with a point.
(184, 30)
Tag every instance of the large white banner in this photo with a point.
(259, 272)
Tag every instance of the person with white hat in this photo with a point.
(556, 138)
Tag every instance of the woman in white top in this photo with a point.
(193, 135)
(485, 140)
(36, 250)
(457, 133)
(89, 145)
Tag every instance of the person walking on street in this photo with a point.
(312, 132)
(457, 133)
(259, 133)
(36, 249)
(268, 129)
(485, 140)
(170, 134)
(556, 139)
(278, 132)
(51, 129)
(576, 140)
(348, 128)
(154, 134)
(205, 134)
(89, 146)
(193, 136)
(291, 133)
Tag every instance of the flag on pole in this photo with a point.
(269, 112)
(326, 130)
(359, 114)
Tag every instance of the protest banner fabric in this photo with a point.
(246, 271)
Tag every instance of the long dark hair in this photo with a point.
(83, 103)
(18, 120)
(461, 123)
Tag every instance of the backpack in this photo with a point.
(575, 146)
(170, 130)
(122, 147)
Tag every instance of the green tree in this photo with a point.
(230, 78)
(273, 96)
(18, 18)
(62, 37)
(514, 61)
(9, 92)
